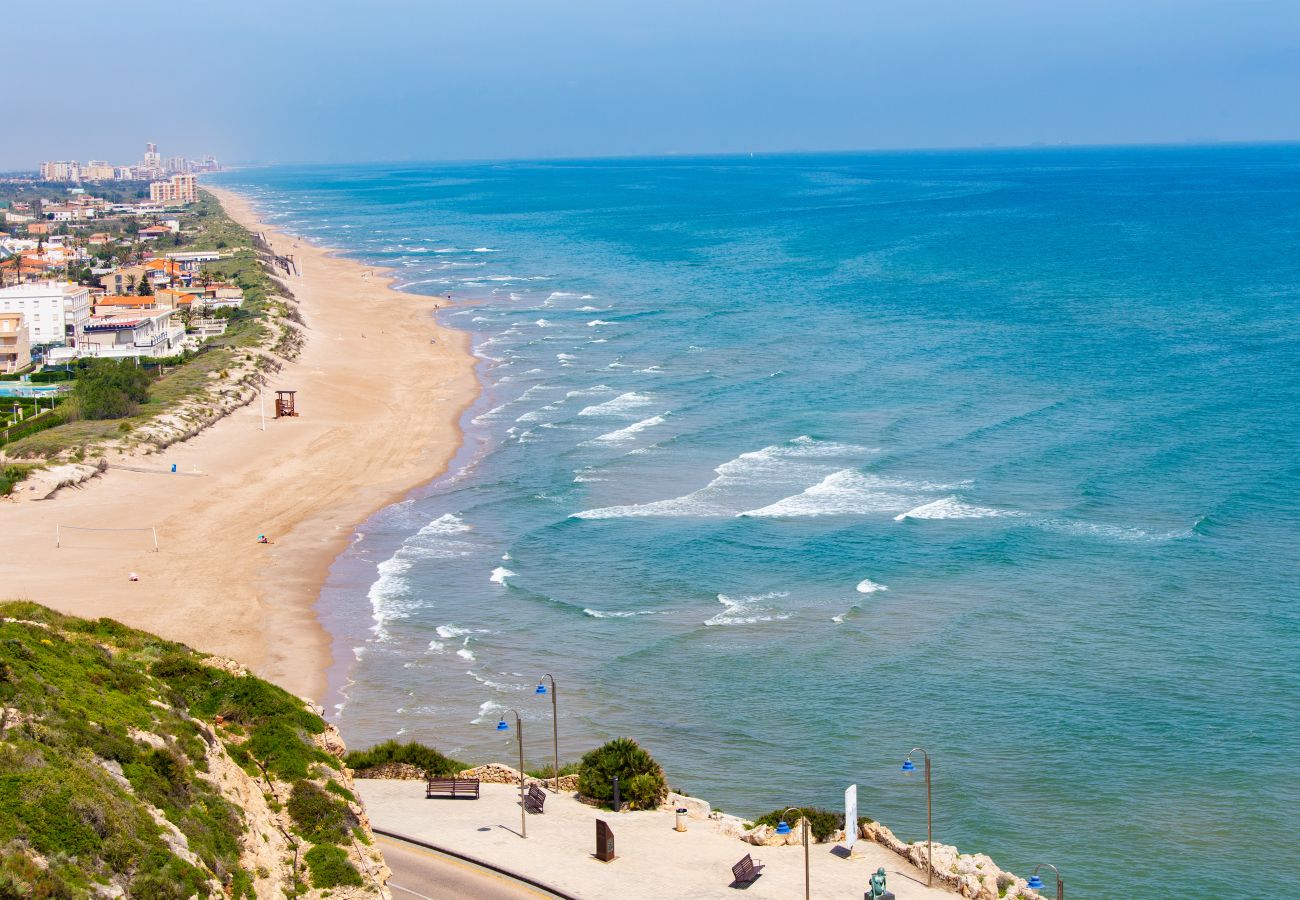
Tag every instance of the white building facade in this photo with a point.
(56, 312)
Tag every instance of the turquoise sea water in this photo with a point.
(786, 465)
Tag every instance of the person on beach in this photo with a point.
(262, 539)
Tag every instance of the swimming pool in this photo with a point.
(27, 389)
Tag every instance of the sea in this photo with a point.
(786, 465)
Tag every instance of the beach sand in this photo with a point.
(379, 407)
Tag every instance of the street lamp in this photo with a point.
(519, 733)
(783, 827)
(908, 768)
(1036, 883)
(555, 722)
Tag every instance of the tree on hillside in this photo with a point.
(144, 288)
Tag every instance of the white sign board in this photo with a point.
(850, 816)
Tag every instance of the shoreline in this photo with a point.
(382, 386)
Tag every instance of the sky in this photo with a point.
(336, 81)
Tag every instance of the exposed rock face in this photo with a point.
(497, 773)
(399, 771)
(972, 875)
(695, 807)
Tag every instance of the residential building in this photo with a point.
(15, 343)
(193, 260)
(56, 312)
(177, 189)
(153, 232)
(61, 171)
(108, 305)
(146, 333)
(123, 281)
(97, 170)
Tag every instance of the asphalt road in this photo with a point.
(421, 874)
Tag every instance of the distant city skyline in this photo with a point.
(336, 81)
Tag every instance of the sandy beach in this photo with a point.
(381, 388)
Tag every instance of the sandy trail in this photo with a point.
(378, 417)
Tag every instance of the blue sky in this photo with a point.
(284, 80)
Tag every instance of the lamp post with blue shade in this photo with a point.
(519, 733)
(908, 768)
(555, 721)
(783, 827)
(1036, 883)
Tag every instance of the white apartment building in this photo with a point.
(148, 333)
(62, 170)
(56, 312)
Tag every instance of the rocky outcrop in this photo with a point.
(972, 875)
(497, 773)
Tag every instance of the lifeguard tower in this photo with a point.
(284, 405)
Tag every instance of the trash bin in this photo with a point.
(681, 819)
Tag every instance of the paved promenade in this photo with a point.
(654, 861)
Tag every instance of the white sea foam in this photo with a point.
(621, 405)
(484, 250)
(500, 574)
(850, 492)
(437, 646)
(604, 614)
(757, 472)
(449, 523)
(544, 323)
(464, 652)
(588, 309)
(1122, 533)
(626, 434)
(748, 610)
(483, 710)
(390, 596)
(597, 322)
(447, 632)
(952, 508)
(591, 391)
(867, 586)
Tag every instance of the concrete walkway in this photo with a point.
(654, 861)
(424, 875)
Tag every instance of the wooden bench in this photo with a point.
(452, 787)
(535, 799)
(745, 871)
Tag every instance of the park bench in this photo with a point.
(746, 870)
(535, 799)
(452, 787)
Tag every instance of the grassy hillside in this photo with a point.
(133, 764)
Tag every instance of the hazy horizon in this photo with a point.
(406, 81)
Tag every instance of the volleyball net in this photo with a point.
(65, 533)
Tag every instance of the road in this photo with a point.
(420, 874)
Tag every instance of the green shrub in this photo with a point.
(548, 771)
(110, 389)
(824, 822)
(320, 818)
(641, 780)
(433, 763)
(330, 868)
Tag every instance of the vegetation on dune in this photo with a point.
(641, 780)
(109, 389)
(105, 758)
(433, 763)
